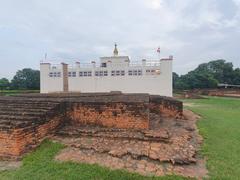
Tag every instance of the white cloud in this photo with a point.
(154, 4)
(191, 30)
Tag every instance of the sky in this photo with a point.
(193, 31)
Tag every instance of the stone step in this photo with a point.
(27, 104)
(19, 117)
(22, 113)
(24, 110)
(23, 106)
(16, 123)
(4, 127)
(149, 150)
(28, 100)
(144, 135)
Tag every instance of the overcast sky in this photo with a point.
(193, 31)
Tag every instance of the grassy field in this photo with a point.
(13, 92)
(220, 127)
(40, 165)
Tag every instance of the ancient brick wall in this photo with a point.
(26, 120)
(165, 106)
(117, 115)
(213, 92)
(15, 142)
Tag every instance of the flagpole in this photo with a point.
(158, 51)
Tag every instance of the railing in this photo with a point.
(98, 65)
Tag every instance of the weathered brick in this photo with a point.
(25, 120)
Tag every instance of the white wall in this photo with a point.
(152, 84)
(50, 84)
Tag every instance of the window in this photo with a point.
(117, 73)
(72, 74)
(139, 72)
(130, 72)
(113, 73)
(55, 74)
(104, 65)
(101, 73)
(152, 71)
(85, 73)
(135, 72)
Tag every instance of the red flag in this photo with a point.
(158, 50)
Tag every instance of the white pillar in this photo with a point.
(77, 64)
(44, 75)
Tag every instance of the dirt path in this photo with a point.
(9, 165)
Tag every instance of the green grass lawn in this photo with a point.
(220, 127)
(40, 165)
(13, 92)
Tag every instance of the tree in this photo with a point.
(208, 75)
(4, 84)
(175, 79)
(26, 79)
(236, 76)
(221, 70)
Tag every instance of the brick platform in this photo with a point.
(169, 146)
(25, 120)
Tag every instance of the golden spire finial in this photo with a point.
(115, 52)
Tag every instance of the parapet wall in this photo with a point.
(26, 120)
(114, 115)
(165, 106)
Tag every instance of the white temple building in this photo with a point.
(113, 73)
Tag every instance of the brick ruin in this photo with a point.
(138, 132)
(199, 93)
(27, 119)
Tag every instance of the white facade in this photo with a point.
(114, 73)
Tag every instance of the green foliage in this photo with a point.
(236, 76)
(26, 79)
(41, 165)
(220, 128)
(4, 84)
(208, 75)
